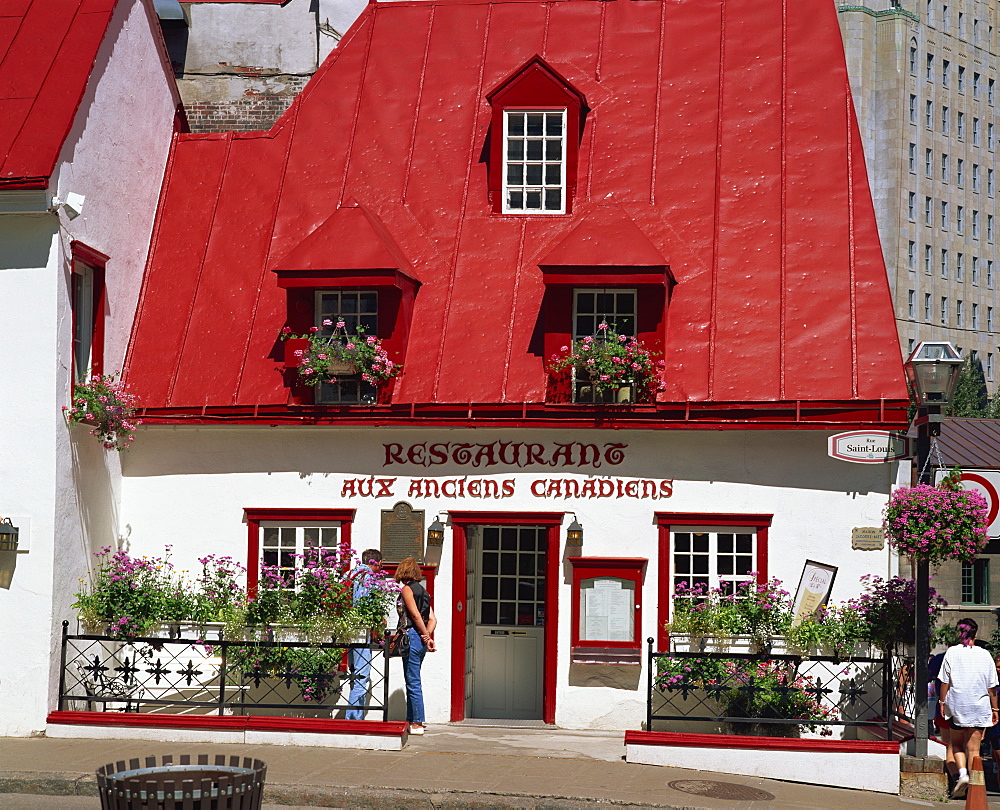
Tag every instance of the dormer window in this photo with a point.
(534, 142)
(535, 161)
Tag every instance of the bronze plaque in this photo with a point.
(402, 533)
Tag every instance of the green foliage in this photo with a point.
(971, 398)
(758, 610)
(836, 630)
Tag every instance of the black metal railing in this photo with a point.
(217, 676)
(777, 694)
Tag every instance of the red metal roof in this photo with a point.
(47, 50)
(720, 141)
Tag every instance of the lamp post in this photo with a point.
(932, 371)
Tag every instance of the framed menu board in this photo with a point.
(607, 602)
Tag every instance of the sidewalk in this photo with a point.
(453, 766)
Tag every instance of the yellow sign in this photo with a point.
(867, 538)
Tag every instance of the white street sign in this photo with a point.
(868, 446)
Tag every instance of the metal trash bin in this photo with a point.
(177, 783)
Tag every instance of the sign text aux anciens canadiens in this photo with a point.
(582, 459)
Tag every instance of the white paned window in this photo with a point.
(911, 204)
(960, 171)
(912, 157)
(911, 303)
(591, 308)
(911, 255)
(927, 259)
(959, 266)
(534, 161)
(927, 307)
(83, 321)
(913, 109)
(282, 544)
(713, 557)
(929, 114)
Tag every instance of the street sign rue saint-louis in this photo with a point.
(869, 446)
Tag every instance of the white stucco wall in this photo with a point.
(189, 486)
(236, 37)
(63, 481)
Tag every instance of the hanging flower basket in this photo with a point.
(610, 368)
(106, 404)
(935, 524)
(320, 357)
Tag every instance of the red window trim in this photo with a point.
(664, 520)
(255, 516)
(536, 85)
(551, 520)
(97, 262)
(632, 568)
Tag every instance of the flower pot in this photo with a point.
(588, 390)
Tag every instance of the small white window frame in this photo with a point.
(525, 187)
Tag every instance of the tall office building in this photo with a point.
(924, 78)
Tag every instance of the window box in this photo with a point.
(586, 391)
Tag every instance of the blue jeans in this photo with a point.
(361, 665)
(411, 676)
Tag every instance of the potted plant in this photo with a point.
(610, 367)
(937, 523)
(105, 403)
(888, 609)
(330, 351)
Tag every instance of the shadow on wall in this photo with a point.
(784, 459)
(27, 241)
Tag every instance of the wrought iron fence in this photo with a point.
(217, 676)
(777, 694)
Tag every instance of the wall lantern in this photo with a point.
(435, 532)
(574, 533)
(932, 371)
(8, 535)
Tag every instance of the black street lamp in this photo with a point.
(932, 371)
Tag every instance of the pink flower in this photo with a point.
(327, 322)
(341, 324)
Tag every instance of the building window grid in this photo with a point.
(913, 109)
(976, 582)
(911, 255)
(944, 263)
(945, 119)
(911, 204)
(975, 177)
(989, 273)
(975, 315)
(534, 161)
(713, 558)
(513, 575)
(989, 91)
(989, 182)
(960, 218)
(930, 67)
(989, 319)
(928, 215)
(356, 309)
(927, 307)
(975, 224)
(944, 215)
(975, 85)
(944, 167)
(945, 68)
(960, 76)
(282, 545)
(960, 172)
(927, 259)
(944, 310)
(959, 313)
(975, 269)
(975, 132)
(989, 227)
(928, 162)
(929, 114)
(989, 366)
(615, 307)
(912, 157)
(913, 61)
(960, 124)
(959, 266)
(911, 303)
